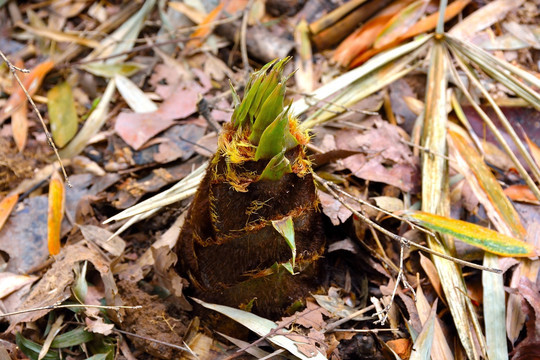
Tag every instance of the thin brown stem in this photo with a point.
(401, 239)
(14, 70)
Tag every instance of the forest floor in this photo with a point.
(134, 94)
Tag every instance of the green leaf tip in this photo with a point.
(263, 98)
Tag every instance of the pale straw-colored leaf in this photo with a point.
(440, 350)
(364, 87)
(134, 96)
(91, 126)
(122, 39)
(262, 327)
(422, 345)
(484, 17)
(300, 106)
(494, 310)
(435, 195)
(181, 190)
(497, 70)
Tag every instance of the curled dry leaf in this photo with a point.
(31, 83)
(55, 213)
(6, 207)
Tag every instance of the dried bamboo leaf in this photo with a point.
(122, 39)
(524, 174)
(484, 17)
(494, 310)
(300, 106)
(488, 190)
(500, 70)
(92, 125)
(435, 195)
(424, 341)
(440, 350)
(55, 213)
(364, 87)
(134, 96)
(262, 327)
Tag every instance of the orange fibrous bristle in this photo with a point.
(294, 128)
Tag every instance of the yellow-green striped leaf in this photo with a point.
(476, 235)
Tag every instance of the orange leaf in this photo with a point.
(6, 207)
(198, 36)
(426, 24)
(19, 126)
(521, 193)
(362, 39)
(31, 83)
(400, 23)
(55, 213)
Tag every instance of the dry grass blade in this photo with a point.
(123, 39)
(59, 36)
(484, 17)
(524, 174)
(494, 311)
(422, 345)
(300, 106)
(181, 190)
(435, 195)
(501, 71)
(364, 87)
(484, 184)
(334, 16)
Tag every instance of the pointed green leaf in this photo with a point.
(235, 98)
(285, 227)
(270, 81)
(278, 166)
(71, 338)
(273, 138)
(272, 107)
(31, 349)
(62, 114)
(476, 235)
(289, 267)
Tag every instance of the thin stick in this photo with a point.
(14, 70)
(334, 325)
(174, 346)
(405, 241)
(400, 278)
(58, 306)
(243, 36)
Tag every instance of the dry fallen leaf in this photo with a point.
(55, 213)
(6, 207)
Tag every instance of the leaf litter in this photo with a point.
(122, 147)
